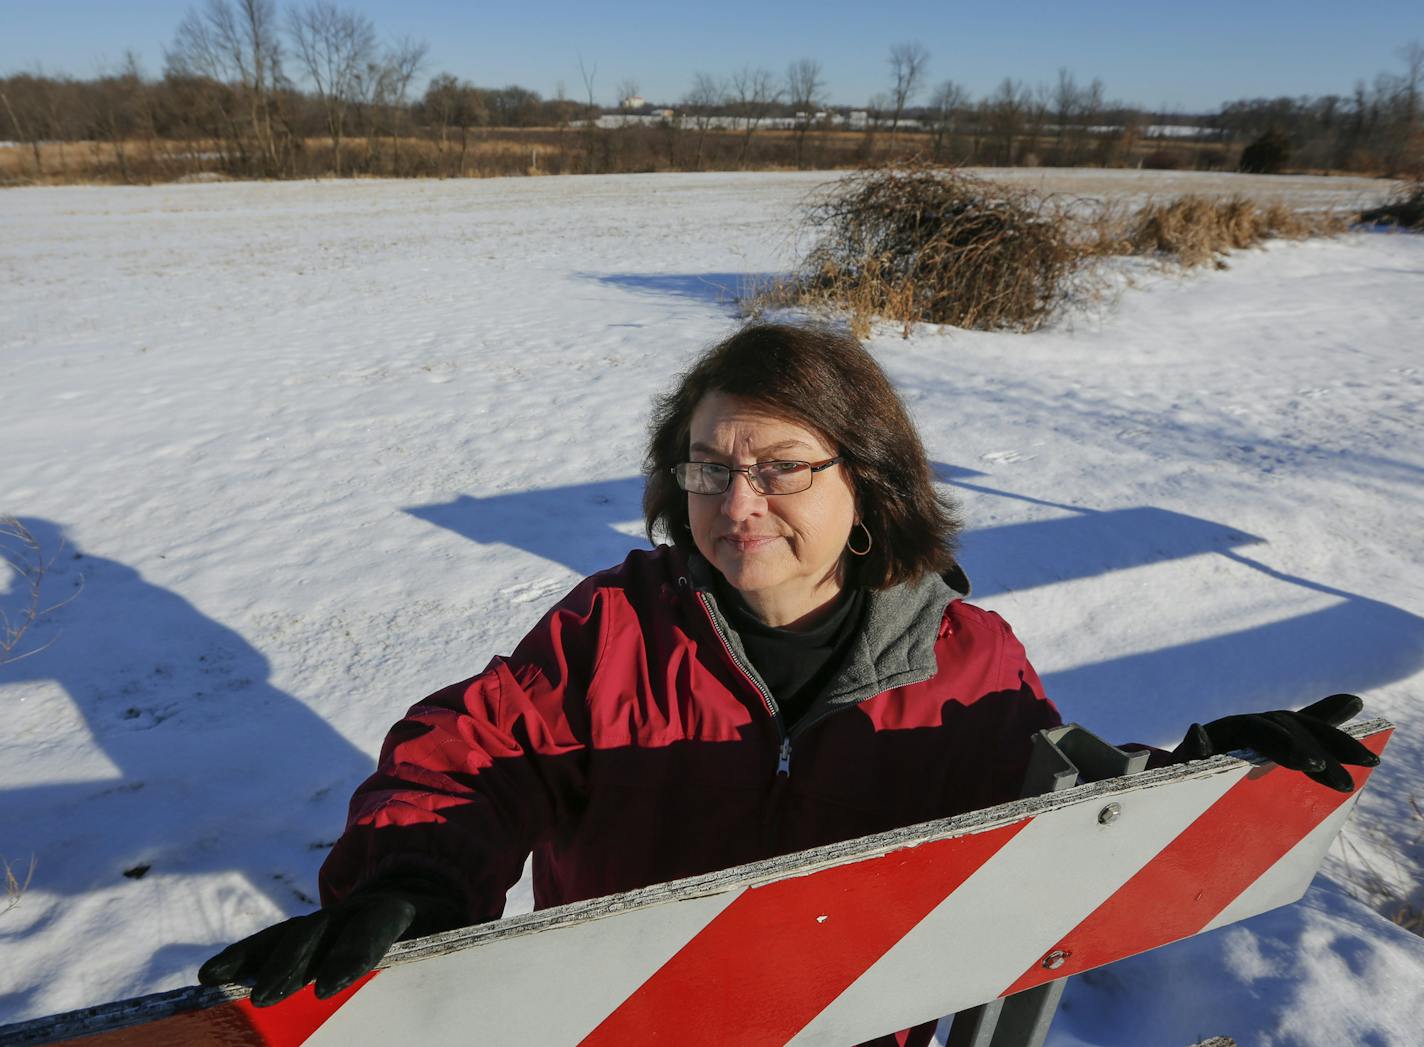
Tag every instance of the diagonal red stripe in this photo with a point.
(290, 1022)
(1190, 881)
(821, 932)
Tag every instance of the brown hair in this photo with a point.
(827, 382)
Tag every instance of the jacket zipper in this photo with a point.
(783, 760)
(783, 764)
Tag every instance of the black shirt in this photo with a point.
(796, 665)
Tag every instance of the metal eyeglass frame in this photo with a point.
(749, 470)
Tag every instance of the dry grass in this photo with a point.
(1195, 230)
(511, 151)
(506, 151)
(23, 564)
(1363, 848)
(917, 244)
(1405, 912)
(15, 887)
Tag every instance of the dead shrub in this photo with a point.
(1196, 230)
(1403, 210)
(1268, 154)
(919, 244)
(1162, 160)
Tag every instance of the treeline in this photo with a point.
(249, 91)
(1375, 129)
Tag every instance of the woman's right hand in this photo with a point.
(333, 946)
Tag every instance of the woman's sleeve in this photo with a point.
(1016, 710)
(478, 772)
(1017, 674)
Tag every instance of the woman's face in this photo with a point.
(783, 553)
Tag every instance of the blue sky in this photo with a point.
(1189, 56)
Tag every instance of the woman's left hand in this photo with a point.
(1307, 741)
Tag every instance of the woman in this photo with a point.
(797, 667)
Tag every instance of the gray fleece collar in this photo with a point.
(894, 647)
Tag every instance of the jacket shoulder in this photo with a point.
(642, 572)
(969, 628)
(643, 578)
(962, 616)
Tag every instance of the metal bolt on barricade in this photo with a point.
(1109, 814)
(1056, 959)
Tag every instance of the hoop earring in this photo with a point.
(869, 541)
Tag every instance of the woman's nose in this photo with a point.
(740, 499)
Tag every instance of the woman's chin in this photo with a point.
(749, 571)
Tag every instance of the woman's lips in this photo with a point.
(746, 543)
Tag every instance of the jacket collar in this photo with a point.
(894, 647)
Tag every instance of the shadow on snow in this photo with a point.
(720, 289)
(197, 739)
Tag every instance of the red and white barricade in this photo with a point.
(830, 946)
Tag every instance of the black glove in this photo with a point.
(1306, 741)
(333, 946)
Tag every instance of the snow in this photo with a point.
(317, 449)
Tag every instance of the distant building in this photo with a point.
(633, 102)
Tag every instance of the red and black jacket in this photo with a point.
(627, 741)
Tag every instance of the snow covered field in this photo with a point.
(316, 449)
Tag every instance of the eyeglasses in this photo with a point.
(766, 478)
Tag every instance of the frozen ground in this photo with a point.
(317, 449)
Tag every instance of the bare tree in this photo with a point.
(587, 75)
(1412, 55)
(235, 42)
(1004, 111)
(1075, 109)
(908, 65)
(450, 102)
(41, 109)
(402, 60)
(1039, 105)
(805, 93)
(334, 46)
(1412, 135)
(27, 120)
(1066, 108)
(438, 105)
(753, 93)
(875, 110)
(702, 101)
(627, 88)
(1090, 103)
(119, 110)
(621, 142)
(195, 58)
(60, 113)
(948, 100)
